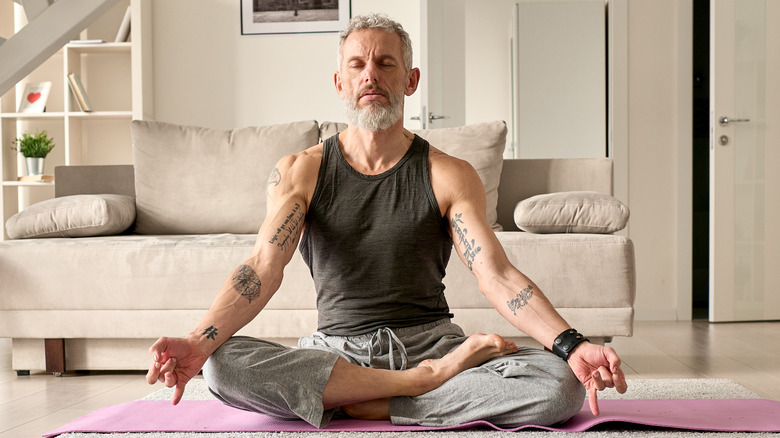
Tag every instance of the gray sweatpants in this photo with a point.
(531, 386)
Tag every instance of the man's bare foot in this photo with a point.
(474, 351)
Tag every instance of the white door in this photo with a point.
(745, 160)
(559, 79)
(539, 65)
(442, 64)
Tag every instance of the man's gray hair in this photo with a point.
(382, 22)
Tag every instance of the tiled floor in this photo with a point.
(747, 353)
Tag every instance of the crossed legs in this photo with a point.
(480, 377)
(261, 376)
(365, 392)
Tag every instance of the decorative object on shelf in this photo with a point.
(87, 41)
(34, 97)
(36, 178)
(79, 92)
(297, 17)
(34, 148)
(123, 33)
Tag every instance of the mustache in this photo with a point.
(372, 87)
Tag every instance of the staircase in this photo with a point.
(51, 25)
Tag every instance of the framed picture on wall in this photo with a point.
(293, 16)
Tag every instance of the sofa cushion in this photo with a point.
(571, 212)
(480, 144)
(74, 216)
(194, 180)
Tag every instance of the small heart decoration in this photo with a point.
(32, 97)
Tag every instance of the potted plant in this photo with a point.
(34, 148)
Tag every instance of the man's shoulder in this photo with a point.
(452, 178)
(446, 164)
(307, 159)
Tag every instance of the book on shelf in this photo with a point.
(34, 97)
(123, 33)
(87, 41)
(79, 92)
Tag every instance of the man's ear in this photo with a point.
(412, 82)
(337, 83)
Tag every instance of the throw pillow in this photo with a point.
(74, 216)
(329, 129)
(571, 212)
(194, 180)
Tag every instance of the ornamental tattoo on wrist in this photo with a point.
(521, 300)
(246, 282)
(210, 333)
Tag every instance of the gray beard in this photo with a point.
(374, 117)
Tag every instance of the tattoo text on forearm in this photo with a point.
(470, 249)
(521, 300)
(210, 333)
(286, 233)
(246, 282)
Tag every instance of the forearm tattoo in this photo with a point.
(246, 282)
(521, 300)
(210, 333)
(470, 249)
(287, 233)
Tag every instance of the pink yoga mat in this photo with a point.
(727, 415)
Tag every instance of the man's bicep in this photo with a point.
(286, 206)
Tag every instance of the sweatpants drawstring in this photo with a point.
(393, 343)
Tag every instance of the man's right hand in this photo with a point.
(175, 362)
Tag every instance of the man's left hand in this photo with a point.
(597, 367)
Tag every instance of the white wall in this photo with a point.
(207, 74)
(653, 154)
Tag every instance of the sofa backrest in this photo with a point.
(94, 180)
(523, 178)
(519, 178)
(196, 180)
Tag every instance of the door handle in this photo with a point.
(431, 117)
(725, 120)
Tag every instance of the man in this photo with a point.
(376, 211)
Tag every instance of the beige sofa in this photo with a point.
(125, 254)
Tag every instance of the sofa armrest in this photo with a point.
(94, 180)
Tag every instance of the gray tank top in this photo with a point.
(377, 245)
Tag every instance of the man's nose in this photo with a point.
(370, 73)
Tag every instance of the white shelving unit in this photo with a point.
(118, 79)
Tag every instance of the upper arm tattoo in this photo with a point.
(273, 180)
(470, 248)
(288, 232)
(246, 282)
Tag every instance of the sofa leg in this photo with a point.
(22, 373)
(55, 356)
